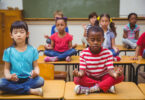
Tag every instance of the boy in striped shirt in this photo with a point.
(96, 66)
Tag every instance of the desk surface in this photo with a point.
(75, 60)
(140, 61)
(41, 48)
(52, 89)
(124, 91)
(142, 87)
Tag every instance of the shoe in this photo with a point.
(81, 90)
(94, 88)
(117, 58)
(68, 59)
(112, 89)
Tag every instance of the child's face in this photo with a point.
(104, 22)
(60, 25)
(132, 19)
(95, 40)
(19, 35)
(92, 20)
(57, 16)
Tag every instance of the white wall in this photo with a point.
(128, 6)
(11, 3)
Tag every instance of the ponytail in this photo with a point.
(113, 28)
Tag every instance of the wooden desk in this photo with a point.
(140, 62)
(120, 47)
(124, 91)
(41, 48)
(52, 89)
(74, 61)
(142, 87)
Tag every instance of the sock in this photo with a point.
(47, 59)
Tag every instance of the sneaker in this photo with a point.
(68, 59)
(47, 59)
(94, 88)
(81, 90)
(117, 58)
(112, 89)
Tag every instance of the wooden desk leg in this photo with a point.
(136, 76)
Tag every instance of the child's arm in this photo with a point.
(113, 44)
(8, 76)
(70, 45)
(137, 35)
(78, 73)
(35, 71)
(116, 73)
(136, 53)
(46, 36)
(125, 34)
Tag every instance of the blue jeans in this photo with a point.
(114, 53)
(21, 88)
(143, 54)
(60, 55)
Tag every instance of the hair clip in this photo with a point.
(111, 20)
(98, 18)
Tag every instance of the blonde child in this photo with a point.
(109, 29)
(131, 32)
(61, 43)
(96, 66)
(92, 18)
(21, 69)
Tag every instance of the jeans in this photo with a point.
(60, 55)
(21, 88)
(143, 54)
(131, 43)
(114, 53)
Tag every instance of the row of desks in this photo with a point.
(59, 90)
(125, 60)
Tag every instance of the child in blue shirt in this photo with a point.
(21, 69)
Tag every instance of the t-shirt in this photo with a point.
(96, 65)
(131, 33)
(108, 36)
(21, 63)
(61, 44)
(54, 30)
(141, 43)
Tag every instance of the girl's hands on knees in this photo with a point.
(33, 74)
(13, 77)
(78, 73)
(116, 73)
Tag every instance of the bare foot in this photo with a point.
(36, 91)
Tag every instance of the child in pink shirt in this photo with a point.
(61, 43)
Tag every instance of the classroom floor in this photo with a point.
(62, 68)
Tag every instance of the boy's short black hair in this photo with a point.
(92, 15)
(95, 29)
(131, 15)
(18, 25)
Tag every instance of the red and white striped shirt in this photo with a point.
(96, 65)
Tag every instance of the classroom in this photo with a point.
(59, 76)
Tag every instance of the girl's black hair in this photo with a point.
(131, 15)
(112, 24)
(95, 29)
(19, 25)
(63, 18)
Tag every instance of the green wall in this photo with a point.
(70, 8)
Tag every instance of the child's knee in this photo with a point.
(77, 80)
